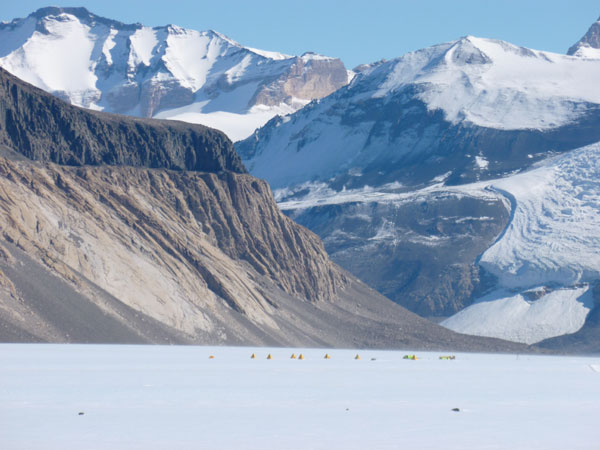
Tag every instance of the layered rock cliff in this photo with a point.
(168, 244)
(123, 254)
(42, 127)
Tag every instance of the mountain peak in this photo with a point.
(80, 13)
(589, 45)
(162, 71)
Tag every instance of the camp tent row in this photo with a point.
(328, 356)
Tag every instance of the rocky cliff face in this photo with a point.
(42, 127)
(417, 251)
(122, 254)
(170, 72)
(178, 247)
(308, 77)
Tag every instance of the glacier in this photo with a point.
(550, 249)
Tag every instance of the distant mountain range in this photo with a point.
(464, 175)
(166, 72)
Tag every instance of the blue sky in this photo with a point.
(356, 31)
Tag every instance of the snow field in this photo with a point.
(496, 84)
(552, 240)
(156, 397)
(86, 61)
(513, 317)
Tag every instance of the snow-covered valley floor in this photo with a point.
(155, 397)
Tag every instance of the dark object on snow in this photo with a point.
(81, 413)
(455, 409)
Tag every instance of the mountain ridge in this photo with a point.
(165, 72)
(43, 127)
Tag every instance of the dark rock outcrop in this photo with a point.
(419, 253)
(44, 128)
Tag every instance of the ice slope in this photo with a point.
(477, 82)
(554, 233)
(156, 397)
(548, 256)
(495, 84)
(167, 72)
(519, 318)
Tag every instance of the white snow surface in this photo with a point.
(513, 317)
(236, 125)
(495, 84)
(554, 234)
(586, 51)
(156, 397)
(90, 61)
(60, 61)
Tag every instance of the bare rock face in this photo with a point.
(169, 245)
(414, 251)
(157, 95)
(122, 254)
(308, 77)
(43, 127)
(591, 40)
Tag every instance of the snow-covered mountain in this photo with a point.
(164, 72)
(409, 108)
(589, 45)
(461, 173)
